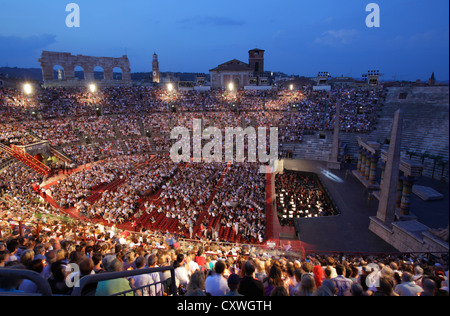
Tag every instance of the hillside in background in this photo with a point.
(36, 74)
(21, 73)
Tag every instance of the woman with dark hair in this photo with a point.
(200, 259)
(57, 280)
(385, 287)
(273, 280)
(279, 291)
(181, 274)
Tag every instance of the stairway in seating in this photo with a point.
(314, 148)
(209, 202)
(112, 186)
(58, 154)
(27, 159)
(425, 128)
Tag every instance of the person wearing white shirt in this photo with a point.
(193, 266)
(216, 284)
(181, 272)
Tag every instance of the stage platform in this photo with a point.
(348, 231)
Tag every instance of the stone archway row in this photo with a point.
(68, 62)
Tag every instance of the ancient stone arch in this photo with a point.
(88, 63)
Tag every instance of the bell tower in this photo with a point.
(256, 60)
(155, 69)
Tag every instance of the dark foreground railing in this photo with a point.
(14, 274)
(167, 286)
(81, 287)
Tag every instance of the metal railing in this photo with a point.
(41, 283)
(167, 286)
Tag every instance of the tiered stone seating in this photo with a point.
(112, 187)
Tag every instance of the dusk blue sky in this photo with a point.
(300, 37)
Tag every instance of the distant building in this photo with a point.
(240, 74)
(169, 77)
(65, 64)
(372, 77)
(155, 69)
(432, 80)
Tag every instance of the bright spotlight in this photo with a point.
(170, 87)
(331, 176)
(231, 86)
(92, 87)
(27, 88)
(291, 87)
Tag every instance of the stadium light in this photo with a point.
(92, 87)
(27, 88)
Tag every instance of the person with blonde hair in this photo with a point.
(26, 257)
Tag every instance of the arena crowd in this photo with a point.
(119, 138)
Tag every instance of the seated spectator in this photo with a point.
(328, 288)
(28, 286)
(307, 286)
(196, 286)
(233, 282)
(249, 285)
(216, 284)
(343, 284)
(408, 287)
(109, 287)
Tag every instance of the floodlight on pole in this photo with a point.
(27, 88)
(92, 87)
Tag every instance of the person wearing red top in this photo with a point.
(319, 274)
(200, 259)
